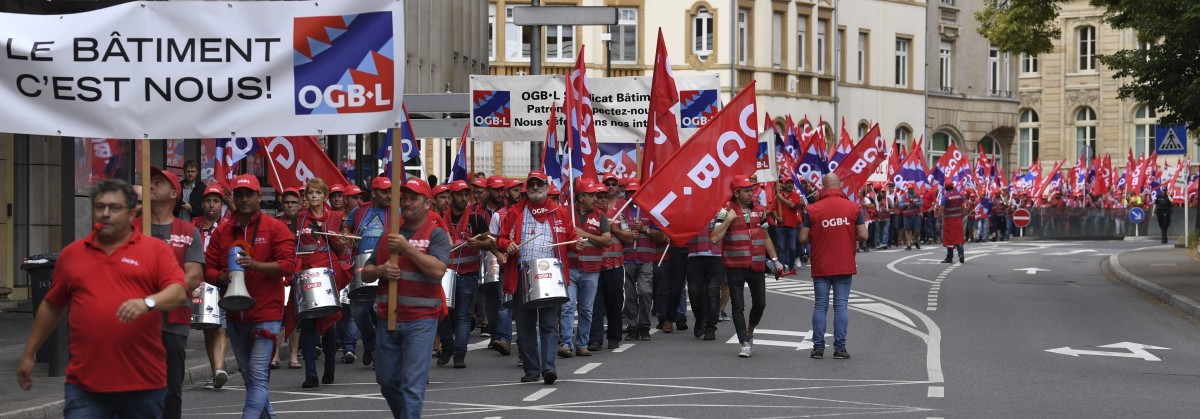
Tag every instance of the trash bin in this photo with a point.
(40, 269)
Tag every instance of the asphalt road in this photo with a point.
(1021, 329)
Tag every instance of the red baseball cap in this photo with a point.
(479, 182)
(554, 190)
(381, 183)
(293, 191)
(741, 182)
(538, 174)
(608, 176)
(337, 188)
(589, 186)
(496, 182)
(246, 182)
(633, 185)
(512, 183)
(419, 186)
(354, 190)
(171, 177)
(457, 185)
(439, 189)
(214, 190)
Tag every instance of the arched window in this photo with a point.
(903, 135)
(1027, 138)
(702, 34)
(1085, 133)
(862, 129)
(1145, 121)
(991, 148)
(937, 147)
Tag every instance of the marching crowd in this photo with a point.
(613, 275)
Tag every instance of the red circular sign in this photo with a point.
(1021, 217)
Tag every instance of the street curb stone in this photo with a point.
(193, 377)
(1183, 303)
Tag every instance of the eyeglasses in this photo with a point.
(101, 208)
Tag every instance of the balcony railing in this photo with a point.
(1001, 93)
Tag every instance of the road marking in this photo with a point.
(537, 395)
(1070, 252)
(1136, 350)
(892, 266)
(937, 391)
(584, 369)
(1032, 271)
(623, 347)
(1164, 264)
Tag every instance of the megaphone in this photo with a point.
(236, 298)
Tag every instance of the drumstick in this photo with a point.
(464, 243)
(304, 253)
(348, 236)
(529, 240)
(564, 243)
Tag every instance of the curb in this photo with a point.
(193, 377)
(1179, 301)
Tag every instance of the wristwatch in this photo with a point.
(149, 303)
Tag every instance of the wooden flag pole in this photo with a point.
(397, 171)
(145, 168)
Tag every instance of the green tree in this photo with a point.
(1166, 75)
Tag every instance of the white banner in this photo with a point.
(516, 108)
(194, 69)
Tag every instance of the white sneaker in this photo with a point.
(745, 352)
(220, 378)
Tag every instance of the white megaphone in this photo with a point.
(236, 298)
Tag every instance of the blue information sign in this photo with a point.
(1136, 215)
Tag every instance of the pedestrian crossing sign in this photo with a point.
(1170, 140)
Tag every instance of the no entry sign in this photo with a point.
(1021, 217)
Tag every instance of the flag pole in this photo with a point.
(394, 228)
(145, 167)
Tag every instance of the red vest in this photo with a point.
(954, 205)
(418, 296)
(745, 243)
(182, 233)
(833, 233)
(591, 257)
(703, 243)
(913, 207)
(614, 255)
(466, 259)
(644, 249)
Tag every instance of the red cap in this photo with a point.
(554, 190)
(171, 177)
(496, 182)
(293, 191)
(337, 188)
(246, 182)
(741, 182)
(633, 185)
(512, 183)
(354, 190)
(538, 174)
(381, 183)
(608, 176)
(589, 186)
(212, 190)
(419, 186)
(785, 177)
(458, 185)
(949, 183)
(479, 182)
(439, 189)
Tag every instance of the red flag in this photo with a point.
(581, 131)
(894, 160)
(689, 188)
(1143, 171)
(1130, 167)
(1046, 181)
(1103, 175)
(295, 160)
(662, 129)
(857, 166)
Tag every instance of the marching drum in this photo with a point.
(315, 297)
(448, 282)
(206, 315)
(345, 297)
(489, 269)
(358, 288)
(544, 284)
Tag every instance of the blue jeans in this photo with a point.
(253, 345)
(363, 312)
(347, 330)
(885, 227)
(786, 246)
(308, 347)
(459, 321)
(841, 316)
(499, 316)
(402, 364)
(80, 403)
(582, 291)
(538, 329)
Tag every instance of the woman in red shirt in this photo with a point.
(317, 251)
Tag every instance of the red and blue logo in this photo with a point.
(491, 109)
(344, 64)
(697, 107)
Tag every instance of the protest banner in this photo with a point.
(204, 70)
(514, 108)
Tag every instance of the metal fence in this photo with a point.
(1092, 223)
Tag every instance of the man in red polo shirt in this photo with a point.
(835, 225)
(115, 277)
(270, 256)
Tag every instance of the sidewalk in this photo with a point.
(45, 400)
(1164, 272)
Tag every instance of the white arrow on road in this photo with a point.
(1032, 271)
(1136, 350)
(1070, 252)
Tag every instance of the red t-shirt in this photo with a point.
(790, 216)
(273, 243)
(107, 355)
